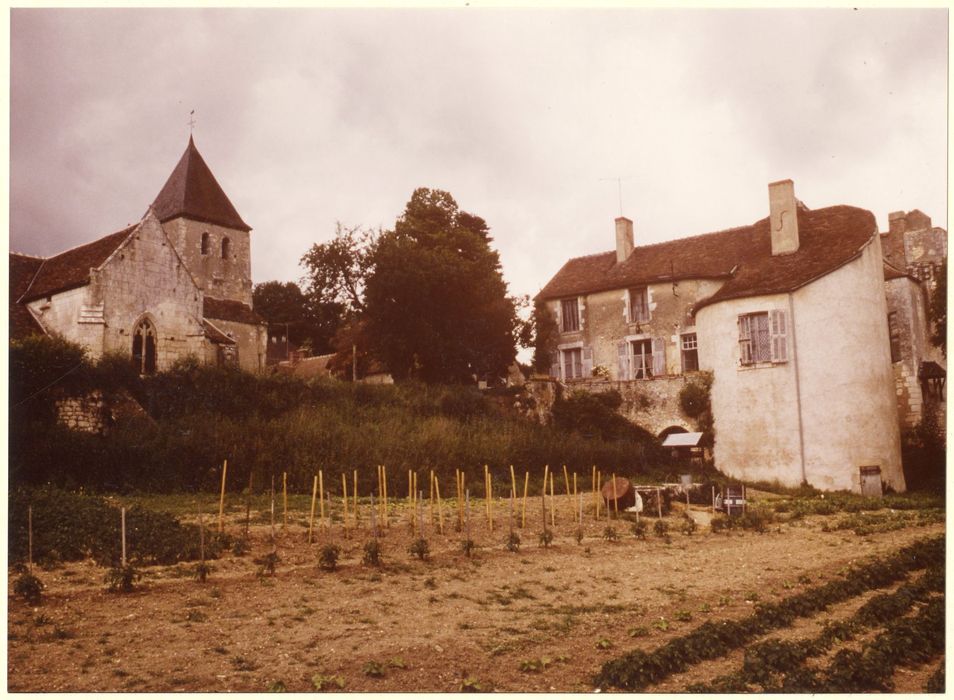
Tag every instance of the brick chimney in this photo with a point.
(624, 238)
(782, 217)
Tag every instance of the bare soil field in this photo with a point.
(538, 619)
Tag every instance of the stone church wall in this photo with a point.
(252, 342)
(222, 278)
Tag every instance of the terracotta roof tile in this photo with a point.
(23, 269)
(828, 238)
(193, 192)
(71, 268)
(230, 310)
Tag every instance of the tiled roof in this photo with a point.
(23, 269)
(229, 310)
(828, 238)
(71, 268)
(193, 192)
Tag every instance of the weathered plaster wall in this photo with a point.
(252, 342)
(604, 322)
(61, 313)
(229, 278)
(840, 350)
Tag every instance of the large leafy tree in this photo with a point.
(435, 304)
(309, 323)
(938, 309)
(336, 271)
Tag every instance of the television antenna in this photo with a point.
(619, 186)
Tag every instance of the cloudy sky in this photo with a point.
(526, 117)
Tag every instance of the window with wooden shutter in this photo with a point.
(570, 313)
(745, 340)
(587, 362)
(659, 357)
(622, 351)
(639, 305)
(779, 334)
(555, 365)
(642, 359)
(690, 352)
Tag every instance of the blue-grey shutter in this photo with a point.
(555, 365)
(587, 362)
(745, 341)
(778, 328)
(622, 350)
(659, 357)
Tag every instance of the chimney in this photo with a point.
(896, 222)
(782, 217)
(624, 238)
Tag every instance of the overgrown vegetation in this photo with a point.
(199, 415)
(28, 587)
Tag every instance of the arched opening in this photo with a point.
(144, 347)
(205, 243)
(226, 248)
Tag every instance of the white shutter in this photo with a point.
(778, 325)
(581, 311)
(622, 351)
(659, 357)
(745, 341)
(626, 316)
(555, 365)
(587, 362)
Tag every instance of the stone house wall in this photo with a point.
(252, 343)
(906, 301)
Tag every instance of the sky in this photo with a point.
(308, 117)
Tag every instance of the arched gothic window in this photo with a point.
(144, 347)
(205, 243)
(226, 248)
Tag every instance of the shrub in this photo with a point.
(268, 563)
(467, 547)
(202, 571)
(639, 529)
(29, 587)
(513, 542)
(689, 525)
(661, 528)
(419, 548)
(546, 538)
(328, 557)
(372, 553)
(120, 579)
(610, 534)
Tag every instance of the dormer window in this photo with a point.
(205, 243)
(226, 248)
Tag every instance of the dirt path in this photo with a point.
(422, 625)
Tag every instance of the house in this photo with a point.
(176, 284)
(788, 314)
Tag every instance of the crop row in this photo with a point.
(772, 664)
(638, 669)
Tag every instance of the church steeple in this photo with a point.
(193, 193)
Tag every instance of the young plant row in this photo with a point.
(775, 664)
(639, 669)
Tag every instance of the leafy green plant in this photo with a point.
(718, 524)
(373, 669)
(240, 547)
(638, 632)
(321, 682)
(684, 616)
(546, 538)
(372, 553)
(610, 534)
(470, 684)
(468, 547)
(121, 579)
(604, 643)
(202, 571)
(689, 525)
(661, 528)
(30, 588)
(419, 548)
(639, 529)
(277, 687)
(578, 535)
(513, 542)
(328, 557)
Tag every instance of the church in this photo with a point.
(174, 285)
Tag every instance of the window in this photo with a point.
(226, 248)
(894, 336)
(570, 315)
(144, 347)
(763, 337)
(639, 305)
(642, 359)
(205, 243)
(573, 363)
(690, 353)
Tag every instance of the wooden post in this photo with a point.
(30, 539)
(201, 537)
(486, 493)
(387, 519)
(513, 482)
(321, 496)
(580, 497)
(430, 483)
(414, 475)
(440, 507)
(713, 500)
(410, 500)
(490, 501)
(743, 499)
(272, 507)
(420, 513)
(248, 504)
(526, 484)
(284, 500)
(344, 499)
(374, 526)
(659, 501)
(225, 466)
(122, 516)
(598, 494)
(615, 499)
(552, 504)
(574, 484)
(595, 502)
(311, 520)
(355, 494)
(467, 515)
(566, 479)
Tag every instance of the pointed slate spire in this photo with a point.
(192, 192)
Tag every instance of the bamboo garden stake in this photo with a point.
(284, 500)
(123, 528)
(30, 539)
(272, 508)
(344, 499)
(384, 471)
(490, 501)
(566, 479)
(513, 482)
(460, 499)
(201, 538)
(355, 494)
(321, 496)
(659, 502)
(311, 520)
(225, 466)
(248, 504)
(440, 508)
(552, 504)
(526, 484)
(615, 498)
(374, 526)
(430, 485)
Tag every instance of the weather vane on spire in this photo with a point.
(191, 121)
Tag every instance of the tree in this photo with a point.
(545, 333)
(938, 309)
(436, 305)
(336, 271)
(309, 324)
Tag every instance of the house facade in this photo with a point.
(788, 314)
(176, 284)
